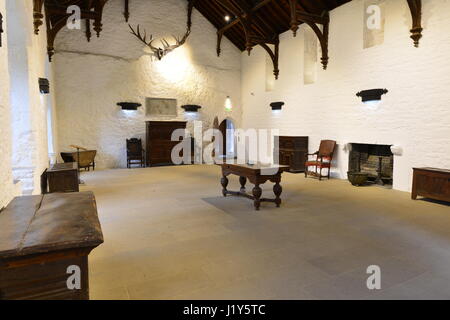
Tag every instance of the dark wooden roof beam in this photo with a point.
(238, 19)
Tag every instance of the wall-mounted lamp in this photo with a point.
(44, 86)
(228, 104)
(191, 107)
(371, 95)
(1, 28)
(276, 105)
(129, 105)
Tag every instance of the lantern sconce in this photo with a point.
(276, 106)
(371, 95)
(191, 107)
(129, 105)
(44, 86)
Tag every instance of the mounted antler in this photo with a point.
(159, 53)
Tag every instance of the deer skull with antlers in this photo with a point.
(157, 52)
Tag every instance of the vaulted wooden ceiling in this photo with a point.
(270, 17)
(246, 23)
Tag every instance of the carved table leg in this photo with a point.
(257, 191)
(242, 181)
(277, 189)
(224, 182)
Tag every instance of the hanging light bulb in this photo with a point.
(228, 105)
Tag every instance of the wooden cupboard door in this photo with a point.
(159, 144)
(285, 158)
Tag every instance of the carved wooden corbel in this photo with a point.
(416, 12)
(252, 38)
(98, 18)
(322, 35)
(38, 16)
(299, 16)
(190, 10)
(1, 28)
(274, 55)
(252, 41)
(219, 42)
(88, 30)
(126, 13)
(56, 18)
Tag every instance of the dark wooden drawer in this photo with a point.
(293, 143)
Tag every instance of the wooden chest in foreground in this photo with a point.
(45, 241)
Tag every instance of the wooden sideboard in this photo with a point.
(158, 141)
(292, 151)
(43, 239)
(431, 183)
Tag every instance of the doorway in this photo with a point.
(227, 128)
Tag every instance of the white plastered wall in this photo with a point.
(92, 77)
(414, 115)
(24, 61)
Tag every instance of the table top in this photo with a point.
(258, 168)
(48, 223)
(433, 169)
(63, 167)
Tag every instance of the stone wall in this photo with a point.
(92, 77)
(7, 187)
(414, 115)
(24, 153)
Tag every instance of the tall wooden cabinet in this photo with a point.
(158, 141)
(292, 151)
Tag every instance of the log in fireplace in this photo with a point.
(377, 161)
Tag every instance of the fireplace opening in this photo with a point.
(372, 161)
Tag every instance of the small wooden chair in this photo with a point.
(135, 152)
(87, 159)
(323, 159)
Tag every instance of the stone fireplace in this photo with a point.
(377, 161)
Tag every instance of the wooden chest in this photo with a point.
(431, 183)
(63, 177)
(292, 151)
(158, 141)
(44, 245)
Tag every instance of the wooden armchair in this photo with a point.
(135, 152)
(323, 159)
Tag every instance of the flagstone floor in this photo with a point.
(170, 234)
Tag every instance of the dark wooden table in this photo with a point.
(63, 177)
(41, 239)
(257, 174)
